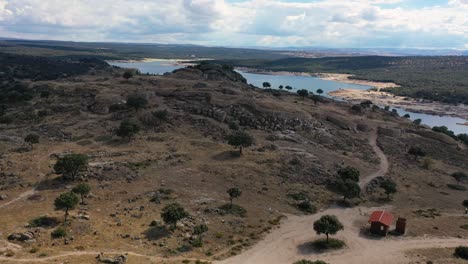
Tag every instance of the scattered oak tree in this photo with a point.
(127, 129)
(240, 139)
(319, 91)
(136, 101)
(289, 88)
(281, 87)
(303, 93)
(32, 139)
(416, 152)
(328, 225)
(417, 121)
(173, 213)
(65, 202)
(389, 187)
(82, 189)
(266, 85)
(71, 165)
(234, 193)
(349, 189)
(349, 173)
(128, 74)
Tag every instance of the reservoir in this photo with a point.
(298, 82)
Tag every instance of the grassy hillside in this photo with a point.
(435, 78)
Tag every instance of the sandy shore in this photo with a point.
(408, 104)
(339, 77)
(257, 71)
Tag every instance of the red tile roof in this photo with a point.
(382, 217)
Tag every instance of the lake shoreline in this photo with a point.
(408, 104)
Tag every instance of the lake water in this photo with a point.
(300, 82)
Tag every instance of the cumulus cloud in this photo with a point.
(333, 23)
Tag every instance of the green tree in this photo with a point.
(416, 152)
(199, 230)
(127, 129)
(349, 173)
(349, 189)
(234, 193)
(281, 87)
(65, 202)
(389, 187)
(289, 88)
(328, 225)
(240, 139)
(173, 213)
(71, 165)
(460, 176)
(32, 139)
(82, 189)
(128, 74)
(266, 85)
(406, 116)
(136, 101)
(319, 91)
(303, 93)
(417, 121)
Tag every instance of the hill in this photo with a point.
(152, 141)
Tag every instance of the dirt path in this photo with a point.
(291, 242)
(384, 165)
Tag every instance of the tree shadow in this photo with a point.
(156, 233)
(52, 184)
(307, 248)
(226, 155)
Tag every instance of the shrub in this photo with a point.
(299, 196)
(127, 129)
(117, 107)
(197, 242)
(465, 203)
(307, 207)
(461, 252)
(44, 221)
(232, 209)
(59, 232)
(428, 163)
(161, 115)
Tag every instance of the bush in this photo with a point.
(161, 115)
(117, 107)
(197, 242)
(465, 203)
(136, 101)
(59, 232)
(299, 196)
(307, 207)
(127, 129)
(461, 252)
(322, 244)
(44, 221)
(233, 209)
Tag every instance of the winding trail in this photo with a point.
(384, 165)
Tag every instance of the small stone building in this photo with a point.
(380, 222)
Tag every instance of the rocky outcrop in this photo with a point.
(26, 237)
(211, 72)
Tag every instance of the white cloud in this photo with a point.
(254, 22)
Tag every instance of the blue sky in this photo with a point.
(275, 23)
